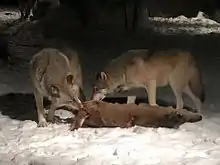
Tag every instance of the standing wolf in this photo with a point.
(152, 69)
(57, 75)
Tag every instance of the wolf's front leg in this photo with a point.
(50, 116)
(131, 99)
(151, 91)
(40, 109)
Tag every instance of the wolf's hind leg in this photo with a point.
(195, 100)
(51, 112)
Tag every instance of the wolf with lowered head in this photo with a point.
(149, 70)
(57, 75)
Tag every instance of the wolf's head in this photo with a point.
(67, 93)
(105, 84)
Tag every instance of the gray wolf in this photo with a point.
(57, 75)
(149, 70)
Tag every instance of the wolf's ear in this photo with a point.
(69, 79)
(102, 75)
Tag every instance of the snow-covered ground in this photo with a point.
(23, 143)
(7, 14)
(181, 24)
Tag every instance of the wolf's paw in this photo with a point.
(154, 105)
(42, 124)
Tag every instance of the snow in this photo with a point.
(9, 14)
(196, 25)
(23, 143)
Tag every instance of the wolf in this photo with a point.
(101, 113)
(25, 7)
(150, 69)
(57, 75)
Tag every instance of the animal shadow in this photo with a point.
(19, 106)
(139, 100)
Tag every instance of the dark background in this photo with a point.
(168, 7)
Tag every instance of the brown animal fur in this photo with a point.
(125, 115)
(56, 74)
(142, 68)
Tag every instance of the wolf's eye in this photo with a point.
(69, 79)
(95, 88)
(119, 88)
(55, 91)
